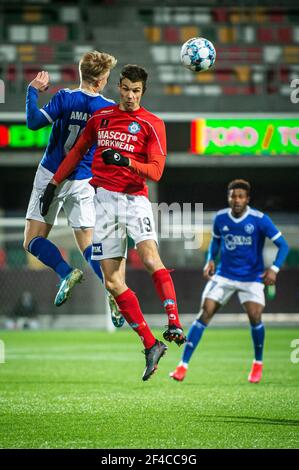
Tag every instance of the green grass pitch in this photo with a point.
(70, 389)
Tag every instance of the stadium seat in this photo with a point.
(224, 75)
(69, 73)
(32, 14)
(266, 34)
(171, 35)
(285, 35)
(58, 33)
(26, 53)
(30, 72)
(227, 35)
(277, 16)
(8, 53)
(291, 54)
(173, 90)
(208, 76)
(187, 32)
(242, 73)
(153, 34)
(220, 15)
(45, 53)
(18, 33)
(11, 73)
(69, 14)
(284, 75)
(38, 34)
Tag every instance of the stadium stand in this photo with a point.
(257, 49)
(255, 46)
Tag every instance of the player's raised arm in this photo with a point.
(41, 81)
(35, 118)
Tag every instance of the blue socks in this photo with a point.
(95, 265)
(44, 250)
(258, 337)
(196, 332)
(193, 338)
(48, 253)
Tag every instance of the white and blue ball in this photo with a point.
(198, 54)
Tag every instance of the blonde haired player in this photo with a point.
(68, 112)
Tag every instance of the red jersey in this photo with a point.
(136, 135)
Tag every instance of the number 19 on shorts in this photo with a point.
(145, 225)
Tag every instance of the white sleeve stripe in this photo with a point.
(275, 237)
(47, 115)
(216, 236)
(158, 140)
(275, 268)
(107, 99)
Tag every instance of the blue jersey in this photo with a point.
(69, 111)
(242, 242)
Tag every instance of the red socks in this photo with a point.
(166, 292)
(130, 309)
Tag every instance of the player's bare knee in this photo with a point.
(205, 316)
(26, 242)
(254, 312)
(110, 285)
(207, 312)
(255, 319)
(114, 286)
(150, 263)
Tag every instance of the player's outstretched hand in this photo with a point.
(46, 198)
(269, 277)
(209, 270)
(111, 157)
(41, 81)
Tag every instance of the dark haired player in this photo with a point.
(239, 232)
(68, 111)
(131, 146)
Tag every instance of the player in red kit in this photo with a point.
(131, 146)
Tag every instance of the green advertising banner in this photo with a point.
(18, 136)
(245, 136)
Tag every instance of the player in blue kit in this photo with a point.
(68, 112)
(239, 233)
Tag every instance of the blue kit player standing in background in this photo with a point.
(68, 112)
(239, 233)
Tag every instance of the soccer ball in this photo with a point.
(198, 54)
